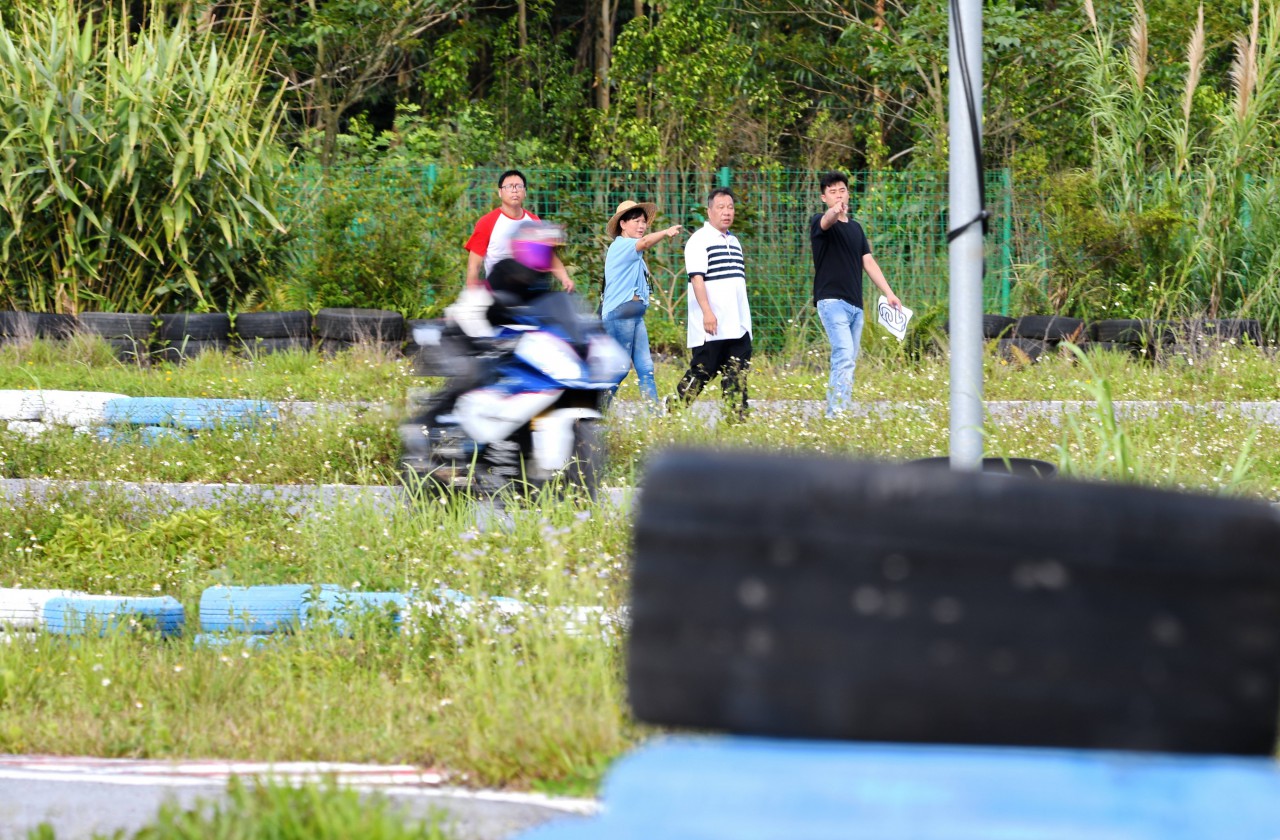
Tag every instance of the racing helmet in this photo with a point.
(534, 245)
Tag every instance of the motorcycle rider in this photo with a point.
(480, 310)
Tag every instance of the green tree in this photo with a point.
(337, 55)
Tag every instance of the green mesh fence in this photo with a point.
(904, 213)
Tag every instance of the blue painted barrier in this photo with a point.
(189, 413)
(257, 609)
(336, 608)
(742, 788)
(77, 613)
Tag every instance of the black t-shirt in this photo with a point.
(514, 284)
(837, 260)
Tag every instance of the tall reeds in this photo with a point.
(1197, 169)
(138, 163)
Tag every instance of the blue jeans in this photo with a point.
(843, 323)
(632, 334)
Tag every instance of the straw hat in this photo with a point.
(613, 228)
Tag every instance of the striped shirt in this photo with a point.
(717, 257)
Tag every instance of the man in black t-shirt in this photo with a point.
(840, 254)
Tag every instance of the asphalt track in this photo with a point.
(79, 797)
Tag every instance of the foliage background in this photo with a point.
(1140, 137)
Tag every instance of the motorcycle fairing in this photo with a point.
(493, 414)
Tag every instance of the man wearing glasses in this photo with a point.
(490, 242)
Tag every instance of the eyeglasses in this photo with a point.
(513, 187)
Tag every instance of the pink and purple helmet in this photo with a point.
(534, 245)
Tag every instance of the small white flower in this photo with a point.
(106, 681)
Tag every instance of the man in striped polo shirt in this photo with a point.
(719, 316)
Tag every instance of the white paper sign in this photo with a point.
(893, 320)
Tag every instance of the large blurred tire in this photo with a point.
(996, 326)
(814, 597)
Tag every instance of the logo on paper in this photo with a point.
(894, 319)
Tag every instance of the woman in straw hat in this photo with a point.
(626, 286)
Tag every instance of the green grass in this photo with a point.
(491, 699)
(361, 448)
(1229, 373)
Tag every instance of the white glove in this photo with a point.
(469, 312)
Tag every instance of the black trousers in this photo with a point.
(730, 358)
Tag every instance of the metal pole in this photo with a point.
(965, 250)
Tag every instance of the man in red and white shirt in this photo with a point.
(490, 242)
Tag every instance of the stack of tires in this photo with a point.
(260, 333)
(17, 327)
(343, 328)
(1138, 337)
(128, 334)
(1032, 336)
(1192, 335)
(185, 335)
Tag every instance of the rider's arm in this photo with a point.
(558, 269)
(474, 261)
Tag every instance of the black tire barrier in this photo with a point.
(1107, 347)
(1050, 328)
(266, 346)
(1237, 330)
(1022, 350)
(996, 326)
(18, 327)
(1135, 331)
(182, 351)
(294, 324)
(194, 326)
(118, 325)
(334, 346)
(993, 326)
(56, 326)
(128, 334)
(360, 325)
(815, 597)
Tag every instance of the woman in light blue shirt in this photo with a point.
(626, 286)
